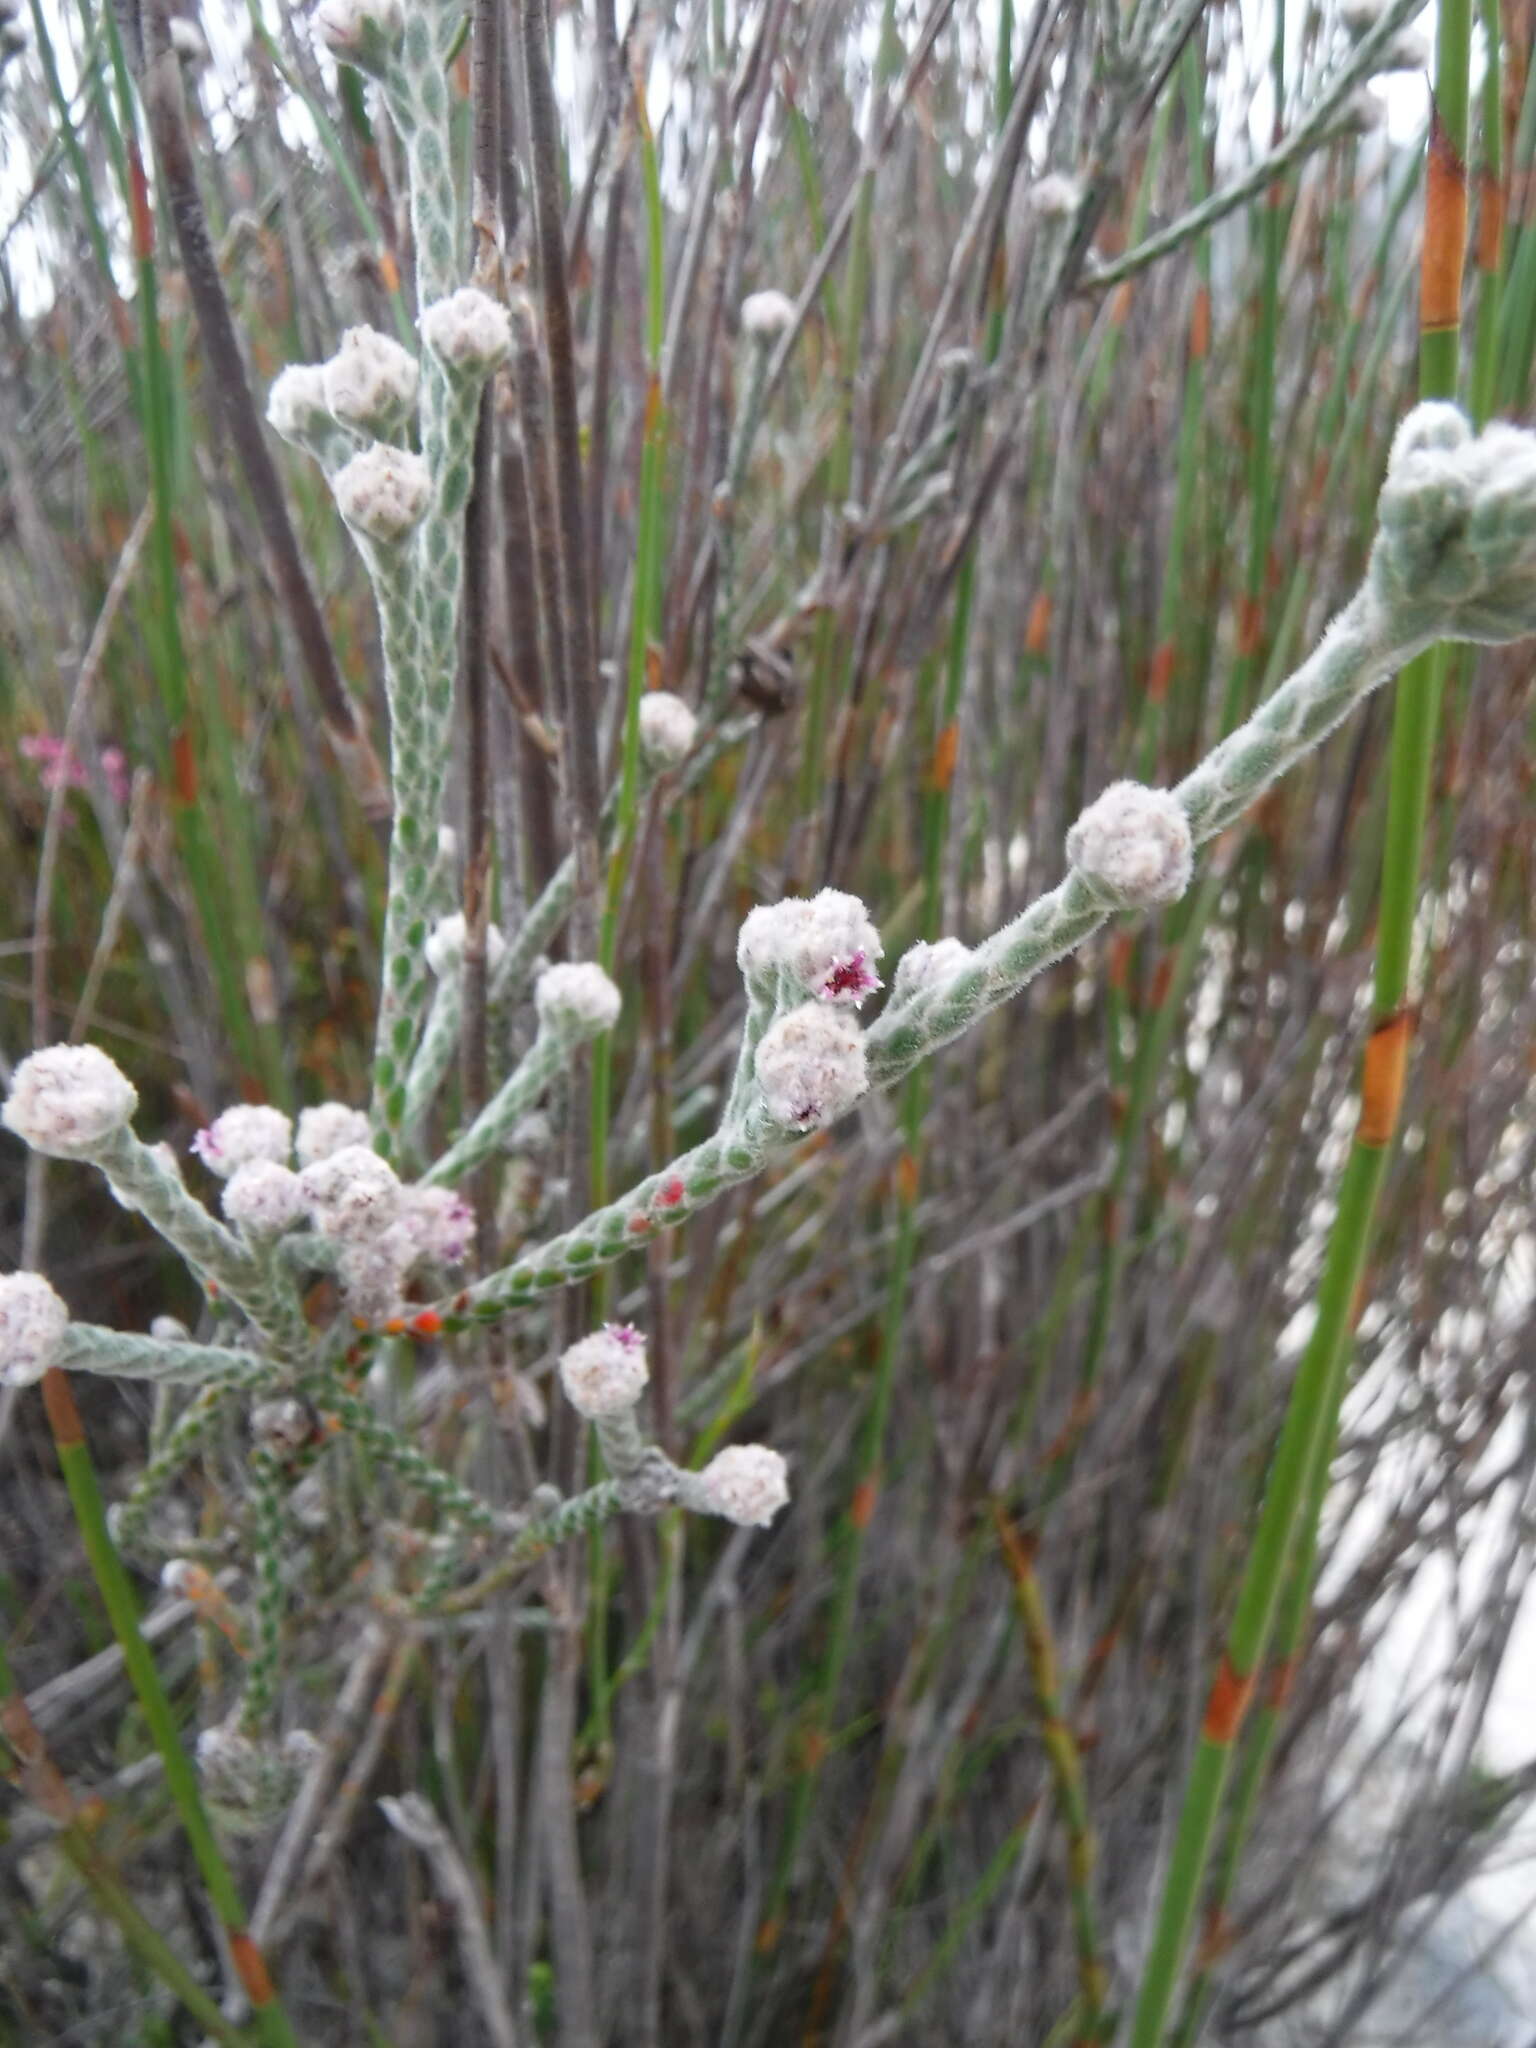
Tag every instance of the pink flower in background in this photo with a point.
(60, 767)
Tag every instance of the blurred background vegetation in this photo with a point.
(1024, 513)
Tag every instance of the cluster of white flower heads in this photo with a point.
(926, 967)
(577, 999)
(383, 491)
(668, 729)
(33, 1321)
(242, 1135)
(296, 406)
(604, 1374)
(67, 1100)
(824, 946)
(1456, 545)
(766, 315)
(371, 382)
(264, 1198)
(250, 1781)
(746, 1483)
(445, 944)
(811, 1066)
(468, 330)
(1133, 847)
(329, 1127)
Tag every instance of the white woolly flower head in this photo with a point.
(67, 1099)
(927, 967)
(445, 944)
(1133, 847)
(352, 1194)
(370, 382)
(169, 1329)
(1456, 549)
(824, 946)
(1056, 196)
(811, 1066)
(383, 491)
(296, 406)
(576, 998)
(668, 729)
(264, 1198)
(249, 1782)
(33, 1321)
(371, 1266)
(767, 315)
(746, 1483)
(248, 1132)
(605, 1373)
(361, 32)
(187, 40)
(468, 330)
(329, 1127)
(285, 1425)
(184, 1579)
(438, 1223)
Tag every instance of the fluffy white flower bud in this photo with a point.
(371, 1267)
(352, 1194)
(747, 1483)
(187, 40)
(296, 406)
(445, 944)
(577, 998)
(1133, 847)
(361, 32)
(469, 330)
(438, 1222)
(383, 491)
(285, 1425)
(248, 1132)
(32, 1324)
(263, 1198)
(329, 1127)
(169, 1329)
(766, 315)
(183, 1578)
(370, 382)
(811, 1066)
(668, 729)
(1055, 196)
(826, 946)
(66, 1099)
(605, 1373)
(924, 968)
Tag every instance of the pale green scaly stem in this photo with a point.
(548, 1056)
(129, 1518)
(267, 1548)
(381, 1442)
(431, 572)
(439, 1043)
(1455, 557)
(127, 1356)
(214, 1253)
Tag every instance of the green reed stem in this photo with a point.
(117, 1597)
(1304, 1451)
